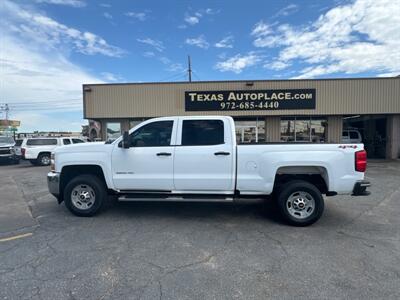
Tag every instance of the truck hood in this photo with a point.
(4, 145)
(84, 147)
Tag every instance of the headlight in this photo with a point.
(52, 162)
(12, 150)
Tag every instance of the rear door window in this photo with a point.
(41, 142)
(202, 132)
(66, 141)
(77, 141)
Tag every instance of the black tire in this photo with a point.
(300, 214)
(44, 159)
(16, 161)
(98, 188)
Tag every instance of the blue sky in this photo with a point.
(49, 48)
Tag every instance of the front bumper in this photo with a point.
(360, 188)
(53, 183)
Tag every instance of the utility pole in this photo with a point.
(189, 69)
(6, 110)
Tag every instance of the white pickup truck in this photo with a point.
(197, 159)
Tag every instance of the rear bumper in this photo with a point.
(53, 183)
(360, 188)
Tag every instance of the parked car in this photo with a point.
(38, 150)
(7, 150)
(351, 136)
(197, 159)
(17, 147)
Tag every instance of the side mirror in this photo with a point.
(125, 140)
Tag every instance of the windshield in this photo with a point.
(6, 140)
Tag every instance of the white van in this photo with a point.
(38, 150)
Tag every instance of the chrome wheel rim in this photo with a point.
(300, 205)
(83, 196)
(45, 160)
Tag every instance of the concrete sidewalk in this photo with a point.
(14, 211)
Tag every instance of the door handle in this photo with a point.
(221, 153)
(164, 154)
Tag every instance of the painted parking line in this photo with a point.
(15, 237)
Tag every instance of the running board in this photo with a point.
(129, 198)
(187, 198)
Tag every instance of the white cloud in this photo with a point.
(226, 42)
(107, 15)
(158, 45)
(38, 28)
(141, 16)
(238, 63)
(111, 77)
(73, 3)
(262, 33)
(200, 42)
(37, 73)
(211, 11)
(149, 54)
(171, 66)
(392, 74)
(32, 121)
(277, 65)
(287, 10)
(363, 36)
(192, 20)
(175, 67)
(261, 29)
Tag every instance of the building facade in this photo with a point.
(318, 111)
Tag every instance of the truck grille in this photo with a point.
(4, 151)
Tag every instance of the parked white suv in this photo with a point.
(351, 136)
(38, 150)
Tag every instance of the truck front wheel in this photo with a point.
(300, 203)
(84, 195)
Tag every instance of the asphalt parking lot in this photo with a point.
(197, 251)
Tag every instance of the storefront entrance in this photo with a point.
(373, 133)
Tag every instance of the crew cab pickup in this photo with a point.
(198, 159)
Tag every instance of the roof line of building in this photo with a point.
(241, 80)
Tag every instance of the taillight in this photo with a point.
(361, 161)
(52, 162)
(23, 152)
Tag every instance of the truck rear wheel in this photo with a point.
(44, 159)
(85, 195)
(300, 203)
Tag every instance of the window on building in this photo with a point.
(66, 141)
(154, 134)
(300, 129)
(133, 123)
(287, 130)
(319, 126)
(202, 132)
(113, 130)
(250, 130)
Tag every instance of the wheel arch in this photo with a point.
(71, 171)
(316, 175)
